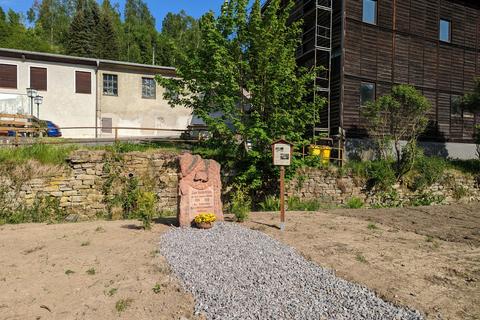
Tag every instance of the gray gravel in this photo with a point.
(237, 273)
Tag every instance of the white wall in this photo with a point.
(129, 109)
(61, 104)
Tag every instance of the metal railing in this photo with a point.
(34, 135)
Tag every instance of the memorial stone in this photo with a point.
(199, 189)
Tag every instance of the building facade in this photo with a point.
(367, 46)
(87, 97)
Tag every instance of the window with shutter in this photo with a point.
(83, 82)
(38, 78)
(8, 76)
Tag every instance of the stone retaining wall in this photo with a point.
(328, 186)
(81, 186)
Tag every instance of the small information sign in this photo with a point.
(282, 154)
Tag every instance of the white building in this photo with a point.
(83, 94)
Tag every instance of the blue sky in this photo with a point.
(159, 8)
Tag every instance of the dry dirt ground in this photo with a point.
(424, 258)
(98, 270)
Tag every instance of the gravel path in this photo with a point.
(237, 273)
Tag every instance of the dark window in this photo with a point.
(149, 88)
(370, 11)
(107, 125)
(110, 85)
(38, 78)
(83, 82)
(455, 101)
(367, 93)
(8, 76)
(445, 30)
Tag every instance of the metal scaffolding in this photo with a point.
(316, 51)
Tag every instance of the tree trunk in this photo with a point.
(398, 153)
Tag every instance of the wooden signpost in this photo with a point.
(282, 156)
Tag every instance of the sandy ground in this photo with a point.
(36, 279)
(424, 258)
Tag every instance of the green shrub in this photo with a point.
(426, 199)
(466, 166)
(357, 168)
(459, 192)
(387, 199)
(271, 203)
(355, 203)
(44, 209)
(146, 208)
(427, 171)
(297, 204)
(240, 205)
(381, 175)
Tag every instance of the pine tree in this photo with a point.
(83, 32)
(107, 39)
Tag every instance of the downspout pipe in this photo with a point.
(97, 97)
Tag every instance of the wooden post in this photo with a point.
(282, 198)
(116, 135)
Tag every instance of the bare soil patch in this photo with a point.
(98, 270)
(423, 258)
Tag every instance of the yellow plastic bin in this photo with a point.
(324, 152)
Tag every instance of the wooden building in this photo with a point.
(367, 46)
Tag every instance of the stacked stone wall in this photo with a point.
(328, 186)
(80, 185)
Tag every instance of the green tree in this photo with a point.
(52, 19)
(179, 39)
(107, 34)
(400, 115)
(83, 31)
(245, 84)
(14, 34)
(140, 32)
(471, 100)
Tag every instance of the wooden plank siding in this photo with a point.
(441, 71)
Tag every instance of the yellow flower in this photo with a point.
(205, 218)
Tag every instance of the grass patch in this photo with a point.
(91, 271)
(125, 147)
(361, 258)
(372, 226)
(50, 154)
(112, 292)
(69, 272)
(43, 153)
(459, 192)
(85, 244)
(355, 203)
(123, 304)
(100, 230)
(466, 166)
(271, 203)
(157, 288)
(297, 204)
